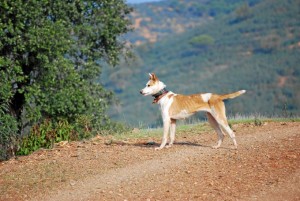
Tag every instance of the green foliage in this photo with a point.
(8, 124)
(63, 131)
(51, 55)
(42, 135)
(202, 40)
(83, 128)
(257, 121)
(45, 134)
(8, 137)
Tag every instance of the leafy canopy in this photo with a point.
(51, 54)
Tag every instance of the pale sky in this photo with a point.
(140, 1)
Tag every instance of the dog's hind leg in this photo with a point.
(172, 132)
(230, 132)
(220, 117)
(165, 135)
(212, 121)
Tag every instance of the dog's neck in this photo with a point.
(159, 95)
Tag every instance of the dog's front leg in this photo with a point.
(165, 136)
(172, 132)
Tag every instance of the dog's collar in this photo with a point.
(159, 95)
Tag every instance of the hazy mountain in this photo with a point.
(222, 46)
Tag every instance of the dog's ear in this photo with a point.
(153, 77)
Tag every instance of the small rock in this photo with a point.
(72, 182)
(108, 142)
(291, 156)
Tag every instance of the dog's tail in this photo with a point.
(232, 95)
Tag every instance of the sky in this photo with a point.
(140, 1)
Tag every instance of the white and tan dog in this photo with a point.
(177, 106)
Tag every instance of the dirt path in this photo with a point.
(266, 166)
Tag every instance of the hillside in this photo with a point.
(255, 47)
(155, 21)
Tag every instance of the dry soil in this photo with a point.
(266, 166)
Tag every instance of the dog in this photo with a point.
(176, 106)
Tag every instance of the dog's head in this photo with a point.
(153, 86)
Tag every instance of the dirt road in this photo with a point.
(266, 166)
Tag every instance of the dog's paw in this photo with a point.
(158, 148)
(234, 147)
(215, 147)
(169, 146)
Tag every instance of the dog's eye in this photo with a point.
(148, 85)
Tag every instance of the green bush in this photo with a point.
(41, 135)
(258, 122)
(44, 135)
(63, 131)
(202, 40)
(83, 128)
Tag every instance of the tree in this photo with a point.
(242, 13)
(51, 53)
(202, 41)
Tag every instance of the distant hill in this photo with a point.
(156, 20)
(252, 45)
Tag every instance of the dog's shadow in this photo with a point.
(183, 143)
(155, 144)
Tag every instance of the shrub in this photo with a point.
(202, 40)
(44, 135)
(82, 128)
(41, 135)
(257, 121)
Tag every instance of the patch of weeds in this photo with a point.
(44, 135)
(258, 122)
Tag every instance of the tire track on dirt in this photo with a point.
(113, 178)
